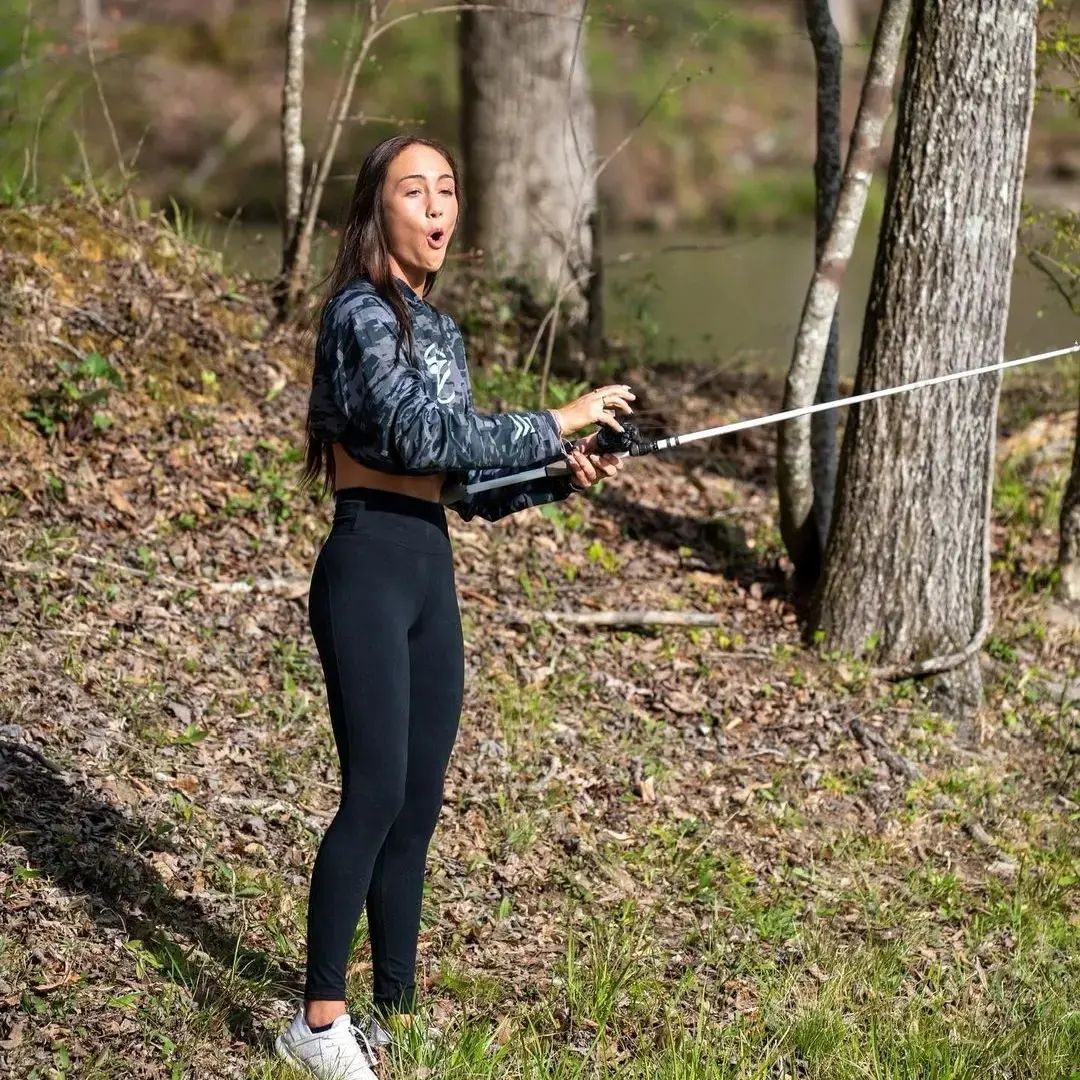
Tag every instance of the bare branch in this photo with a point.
(124, 174)
(1045, 265)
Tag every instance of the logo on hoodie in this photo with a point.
(440, 364)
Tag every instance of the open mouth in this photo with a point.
(436, 238)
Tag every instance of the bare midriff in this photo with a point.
(350, 473)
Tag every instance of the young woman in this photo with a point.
(390, 422)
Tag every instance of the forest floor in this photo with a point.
(711, 852)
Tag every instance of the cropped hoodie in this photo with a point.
(415, 414)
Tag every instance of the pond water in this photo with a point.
(732, 298)
(739, 298)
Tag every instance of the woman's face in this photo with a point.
(420, 211)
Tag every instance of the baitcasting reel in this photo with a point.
(628, 441)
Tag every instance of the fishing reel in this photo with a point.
(628, 441)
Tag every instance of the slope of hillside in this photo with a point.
(680, 852)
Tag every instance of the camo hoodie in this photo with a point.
(416, 416)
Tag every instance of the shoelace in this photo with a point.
(361, 1036)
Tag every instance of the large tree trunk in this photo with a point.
(907, 566)
(527, 138)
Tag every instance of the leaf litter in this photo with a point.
(166, 765)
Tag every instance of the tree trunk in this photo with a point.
(527, 138)
(816, 440)
(907, 566)
(292, 114)
(805, 469)
(292, 153)
(1069, 546)
(827, 172)
(91, 13)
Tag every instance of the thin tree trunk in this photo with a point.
(292, 141)
(907, 566)
(804, 512)
(829, 57)
(1069, 544)
(91, 13)
(594, 329)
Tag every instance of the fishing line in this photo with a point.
(631, 443)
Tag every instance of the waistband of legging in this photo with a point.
(355, 499)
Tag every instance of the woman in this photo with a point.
(390, 422)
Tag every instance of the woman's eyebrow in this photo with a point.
(420, 176)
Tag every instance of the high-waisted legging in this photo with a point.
(383, 610)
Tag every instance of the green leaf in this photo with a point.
(191, 734)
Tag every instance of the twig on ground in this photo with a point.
(632, 618)
(872, 739)
(287, 588)
(30, 752)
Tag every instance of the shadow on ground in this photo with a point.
(718, 545)
(98, 853)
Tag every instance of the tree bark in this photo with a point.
(528, 143)
(907, 566)
(91, 13)
(292, 116)
(1069, 540)
(805, 472)
(827, 172)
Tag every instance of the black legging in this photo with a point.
(383, 610)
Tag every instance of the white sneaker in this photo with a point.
(333, 1054)
(379, 1036)
(376, 1034)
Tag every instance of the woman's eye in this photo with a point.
(448, 191)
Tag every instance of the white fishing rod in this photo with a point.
(631, 444)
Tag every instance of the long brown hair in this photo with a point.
(364, 252)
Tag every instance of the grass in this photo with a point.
(681, 957)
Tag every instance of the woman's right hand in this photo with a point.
(596, 407)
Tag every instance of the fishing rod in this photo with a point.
(631, 443)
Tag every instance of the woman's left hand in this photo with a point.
(587, 467)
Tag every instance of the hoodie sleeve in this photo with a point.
(503, 501)
(391, 402)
